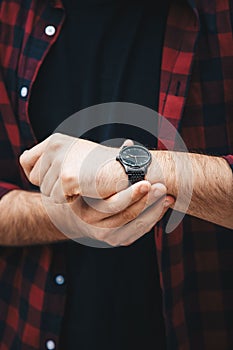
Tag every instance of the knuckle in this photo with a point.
(23, 158)
(114, 244)
(54, 145)
(103, 236)
(112, 241)
(141, 227)
(127, 243)
(66, 177)
(107, 236)
(55, 142)
(43, 190)
(34, 179)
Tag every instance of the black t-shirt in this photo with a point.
(108, 50)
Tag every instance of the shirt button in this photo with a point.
(60, 280)
(50, 30)
(24, 91)
(50, 345)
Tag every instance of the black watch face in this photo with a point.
(135, 156)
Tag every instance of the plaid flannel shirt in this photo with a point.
(196, 96)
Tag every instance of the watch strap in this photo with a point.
(135, 176)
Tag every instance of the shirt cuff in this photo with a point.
(6, 187)
(229, 159)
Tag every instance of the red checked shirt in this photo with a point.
(196, 96)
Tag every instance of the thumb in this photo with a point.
(127, 143)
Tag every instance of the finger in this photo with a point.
(148, 219)
(29, 157)
(50, 168)
(49, 179)
(100, 209)
(57, 193)
(135, 229)
(127, 143)
(157, 191)
(40, 169)
(133, 211)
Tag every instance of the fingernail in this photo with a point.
(144, 189)
(158, 193)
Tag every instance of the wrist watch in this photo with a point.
(135, 161)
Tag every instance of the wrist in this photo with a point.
(111, 177)
(163, 170)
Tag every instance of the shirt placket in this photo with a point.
(43, 34)
(177, 62)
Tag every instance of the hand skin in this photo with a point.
(121, 219)
(208, 182)
(65, 166)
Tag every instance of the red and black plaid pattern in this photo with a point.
(31, 303)
(195, 260)
(196, 97)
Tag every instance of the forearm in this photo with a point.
(202, 185)
(204, 181)
(23, 220)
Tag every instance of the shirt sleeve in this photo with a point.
(6, 187)
(229, 159)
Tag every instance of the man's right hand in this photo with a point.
(119, 220)
(24, 216)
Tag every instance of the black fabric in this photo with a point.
(108, 50)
